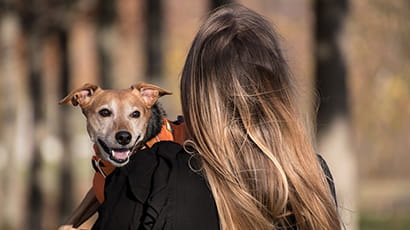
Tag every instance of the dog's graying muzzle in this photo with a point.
(123, 137)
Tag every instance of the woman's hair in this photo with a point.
(238, 100)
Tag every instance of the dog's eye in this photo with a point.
(105, 112)
(135, 114)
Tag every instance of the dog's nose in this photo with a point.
(123, 137)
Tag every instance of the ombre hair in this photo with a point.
(238, 100)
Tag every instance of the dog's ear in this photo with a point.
(149, 93)
(80, 96)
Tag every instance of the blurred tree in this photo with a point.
(128, 52)
(14, 107)
(217, 3)
(330, 65)
(33, 29)
(40, 24)
(55, 84)
(79, 64)
(106, 16)
(35, 193)
(65, 202)
(153, 40)
(333, 118)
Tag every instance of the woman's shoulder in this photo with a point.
(189, 196)
(175, 154)
(184, 166)
(168, 150)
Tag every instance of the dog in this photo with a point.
(119, 122)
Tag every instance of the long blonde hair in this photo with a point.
(238, 100)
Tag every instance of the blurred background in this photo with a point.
(352, 55)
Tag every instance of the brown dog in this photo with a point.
(118, 123)
(117, 120)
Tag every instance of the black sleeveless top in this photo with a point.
(158, 189)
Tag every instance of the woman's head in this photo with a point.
(238, 102)
(235, 59)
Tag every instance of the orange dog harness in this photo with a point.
(170, 131)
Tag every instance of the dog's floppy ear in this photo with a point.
(80, 96)
(149, 93)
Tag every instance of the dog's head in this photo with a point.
(116, 119)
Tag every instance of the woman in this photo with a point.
(252, 164)
(239, 105)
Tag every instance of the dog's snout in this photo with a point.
(123, 137)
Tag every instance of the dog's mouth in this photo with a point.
(118, 155)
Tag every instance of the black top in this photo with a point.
(159, 189)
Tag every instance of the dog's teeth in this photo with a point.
(113, 153)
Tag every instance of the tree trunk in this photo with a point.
(333, 118)
(52, 145)
(35, 196)
(106, 16)
(217, 3)
(79, 63)
(153, 39)
(128, 51)
(66, 198)
(16, 136)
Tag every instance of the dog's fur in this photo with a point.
(119, 122)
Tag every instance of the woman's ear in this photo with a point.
(149, 93)
(80, 96)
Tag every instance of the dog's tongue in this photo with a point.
(121, 155)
